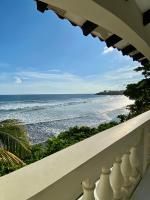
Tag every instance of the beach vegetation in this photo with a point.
(14, 145)
(64, 139)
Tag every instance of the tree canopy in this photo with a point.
(139, 92)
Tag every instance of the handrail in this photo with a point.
(59, 176)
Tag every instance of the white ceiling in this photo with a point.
(144, 5)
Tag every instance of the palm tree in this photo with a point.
(14, 144)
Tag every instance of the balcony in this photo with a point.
(109, 165)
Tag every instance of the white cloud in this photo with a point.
(62, 82)
(123, 73)
(107, 50)
(18, 80)
(117, 78)
(44, 76)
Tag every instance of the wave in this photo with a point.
(36, 106)
(58, 120)
(33, 105)
(104, 116)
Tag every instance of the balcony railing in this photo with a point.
(115, 159)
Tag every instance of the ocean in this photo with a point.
(46, 115)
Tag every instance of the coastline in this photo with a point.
(48, 115)
(41, 131)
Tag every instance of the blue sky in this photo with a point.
(39, 53)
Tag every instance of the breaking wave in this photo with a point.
(36, 106)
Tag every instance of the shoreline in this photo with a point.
(41, 131)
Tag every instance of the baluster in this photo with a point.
(103, 189)
(135, 174)
(146, 160)
(126, 173)
(88, 190)
(116, 179)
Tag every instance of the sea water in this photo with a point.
(46, 115)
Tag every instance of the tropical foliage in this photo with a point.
(14, 145)
(65, 139)
(139, 92)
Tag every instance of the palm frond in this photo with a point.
(8, 159)
(13, 137)
(14, 144)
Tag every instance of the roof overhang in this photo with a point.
(122, 24)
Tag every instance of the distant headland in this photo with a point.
(111, 92)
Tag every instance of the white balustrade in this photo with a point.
(103, 189)
(58, 177)
(88, 190)
(126, 173)
(135, 165)
(146, 161)
(117, 179)
(126, 169)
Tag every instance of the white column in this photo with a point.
(103, 189)
(126, 173)
(135, 169)
(126, 169)
(117, 180)
(88, 190)
(146, 156)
